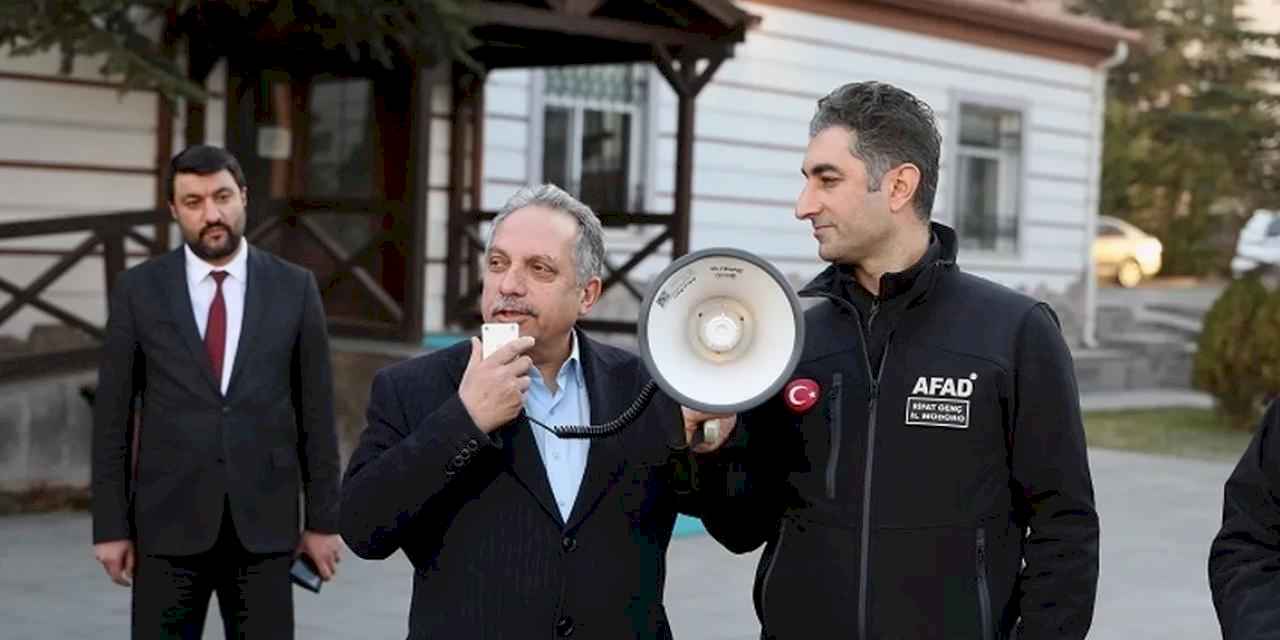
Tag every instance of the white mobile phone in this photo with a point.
(495, 334)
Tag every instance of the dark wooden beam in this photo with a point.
(491, 13)
(685, 78)
(76, 166)
(581, 7)
(164, 132)
(31, 293)
(90, 222)
(637, 258)
(458, 214)
(346, 266)
(424, 80)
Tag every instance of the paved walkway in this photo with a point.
(1158, 516)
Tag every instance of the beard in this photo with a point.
(210, 251)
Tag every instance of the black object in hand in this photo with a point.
(305, 574)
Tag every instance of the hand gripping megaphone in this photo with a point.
(720, 331)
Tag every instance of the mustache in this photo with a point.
(215, 226)
(511, 305)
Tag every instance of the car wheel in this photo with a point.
(1129, 275)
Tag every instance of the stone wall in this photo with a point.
(46, 425)
(45, 430)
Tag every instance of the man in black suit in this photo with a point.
(226, 344)
(514, 532)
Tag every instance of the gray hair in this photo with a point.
(890, 127)
(588, 251)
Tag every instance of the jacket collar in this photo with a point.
(915, 282)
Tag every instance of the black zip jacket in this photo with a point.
(1244, 559)
(904, 503)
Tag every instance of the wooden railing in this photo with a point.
(106, 237)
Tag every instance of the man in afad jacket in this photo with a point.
(924, 474)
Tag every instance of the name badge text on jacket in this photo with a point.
(940, 402)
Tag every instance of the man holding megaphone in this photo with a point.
(923, 474)
(513, 531)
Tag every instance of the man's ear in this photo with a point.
(590, 295)
(902, 183)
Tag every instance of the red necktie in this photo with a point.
(215, 332)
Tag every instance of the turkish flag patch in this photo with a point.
(801, 394)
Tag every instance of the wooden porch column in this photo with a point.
(467, 86)
(683, 75)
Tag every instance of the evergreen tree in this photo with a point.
(1190, 128)
(127, 33)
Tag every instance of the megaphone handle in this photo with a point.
(710, 431)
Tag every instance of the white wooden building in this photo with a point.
(1018, 91)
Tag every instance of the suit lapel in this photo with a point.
(184, 316)
(605, 458)
(526, 464)
(258, 284)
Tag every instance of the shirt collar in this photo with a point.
(571, 366)
(198, 269)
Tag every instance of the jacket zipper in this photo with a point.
(984, 592)
(864, 554)
(834, 416)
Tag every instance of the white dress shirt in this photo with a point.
(202, 287)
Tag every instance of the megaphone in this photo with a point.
(720, 331)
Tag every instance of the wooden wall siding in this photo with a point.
(70, 146)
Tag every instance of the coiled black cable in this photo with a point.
(608, 428)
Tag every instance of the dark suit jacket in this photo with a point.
(272, 435)
(475, 513)
(1244, 559)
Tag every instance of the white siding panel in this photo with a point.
(732, 184)
(871, 37)
(736, 157)
(773, 129)
(1055, 213)
(75, 106)
(48, 142)
(500, 164)
(506, 100)
(1062, 165)
(506, 134)
(509, 78)
(72, 193)
(439, 168)
(1044, 190)
(495, 195)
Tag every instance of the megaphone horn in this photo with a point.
(720, 331)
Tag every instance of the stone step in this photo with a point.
(1134, 366)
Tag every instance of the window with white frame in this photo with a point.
(594, 124)
(988, 177)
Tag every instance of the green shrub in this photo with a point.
(1238, 357)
